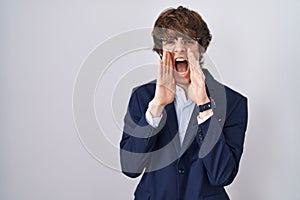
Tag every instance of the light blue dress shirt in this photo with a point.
(184, 108)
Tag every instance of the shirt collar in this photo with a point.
(181, 98)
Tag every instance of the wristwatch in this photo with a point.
(207, 106)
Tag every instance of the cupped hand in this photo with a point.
(196, 90)
(165, 85)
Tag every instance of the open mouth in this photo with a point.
(181, 65)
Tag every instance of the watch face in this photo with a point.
(204, 107)
(207, 106)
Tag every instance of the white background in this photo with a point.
(255, 48)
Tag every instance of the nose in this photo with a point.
(179, 46)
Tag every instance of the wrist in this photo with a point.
(210, 105)
(203, 114)
(155, 108)
(203, 101)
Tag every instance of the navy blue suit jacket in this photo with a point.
(198, 169)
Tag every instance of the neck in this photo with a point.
(184, 87)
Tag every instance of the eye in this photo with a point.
(189, 41)
(169, 41)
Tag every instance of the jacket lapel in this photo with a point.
(190, 131)
(216, 91)
(172, 125)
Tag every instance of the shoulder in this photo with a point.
(142, 94)
(226, 98)
(234, 95)
(147, 88)
(222, 90)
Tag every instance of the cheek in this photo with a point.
(196, 53)
(167, 49)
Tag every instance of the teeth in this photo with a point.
(180, 59)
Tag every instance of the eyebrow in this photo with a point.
(176, 37)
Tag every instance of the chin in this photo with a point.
(182, 81)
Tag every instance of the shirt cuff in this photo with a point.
(153, 121)
(200, 121)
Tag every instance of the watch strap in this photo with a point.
(207, 106)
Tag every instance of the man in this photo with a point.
(185, 131)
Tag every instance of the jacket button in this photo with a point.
(199, 130)
(181, 171)
(201, 137)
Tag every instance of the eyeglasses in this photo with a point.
(171, 41)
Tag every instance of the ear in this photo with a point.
(201, 50)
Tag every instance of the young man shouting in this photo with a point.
(184, 132)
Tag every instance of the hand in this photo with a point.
(165, 85)
(196, 90)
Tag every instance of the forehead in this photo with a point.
(163, 32)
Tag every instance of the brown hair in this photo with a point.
(184, 21)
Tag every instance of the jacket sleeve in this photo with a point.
(222, 160)
(138, 139)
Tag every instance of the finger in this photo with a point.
(193, 74)
(159, 71)
(197, 68)
(192, 68)
(163, 55)
(193, 60)
(170, 62)
(160, 66)
(164, 58)
(194, 55)
(199, 71)
(165, 63)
